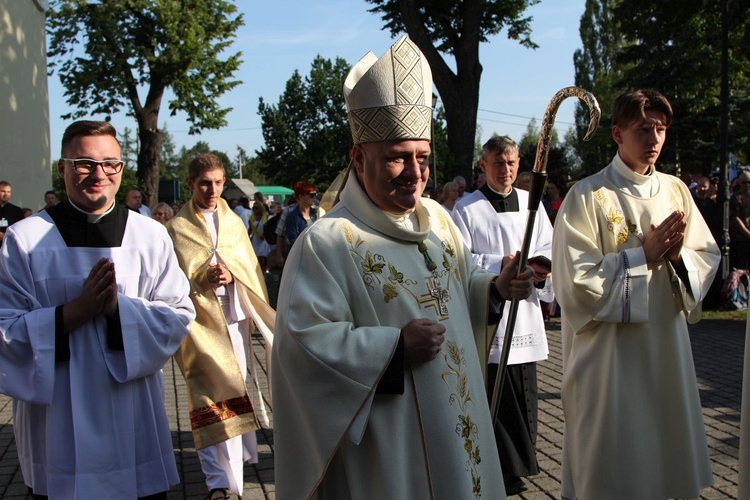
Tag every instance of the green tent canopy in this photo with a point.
(275, 193)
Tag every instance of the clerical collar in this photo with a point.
(501, 202)
(641, 185)
(92, 218)
(408, 221)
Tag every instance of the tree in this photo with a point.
(307, 135)
(442, 164)
(251, 167)
(169, 160)
(598, 71)
(141, 47)
(559, 163)
(129, 147)
(674, 46)
(456, 28)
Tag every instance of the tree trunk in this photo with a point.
(461, 100)
(148, 157)
(459, 91)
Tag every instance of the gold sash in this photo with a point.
(219, 405)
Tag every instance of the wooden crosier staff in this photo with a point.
(539, 178)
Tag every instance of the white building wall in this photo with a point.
(24, 102)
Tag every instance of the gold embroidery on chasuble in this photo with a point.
(456, 380)
(429, 288)
(620, 226)
(677, 200)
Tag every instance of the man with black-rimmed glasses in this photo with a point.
(93, 304)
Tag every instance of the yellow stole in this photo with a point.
(219, 405)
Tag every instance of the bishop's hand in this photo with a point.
(422, 340)
(513, 285)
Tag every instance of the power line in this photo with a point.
(216, 130)
(519, 116)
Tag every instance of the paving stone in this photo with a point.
(718, 348)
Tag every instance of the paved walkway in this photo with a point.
(718, 348)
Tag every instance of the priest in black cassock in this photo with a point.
(92, 304)
(492, 222)
(9, 213)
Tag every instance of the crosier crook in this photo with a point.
(538, 180)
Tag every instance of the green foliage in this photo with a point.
(442, 163)
(598, 71)
(123, 54)
(307, 134)
(448, 21)
(129, 145)
(456, 28)
(559, 163)
(131, 43)
(251, 168)
(675, 47)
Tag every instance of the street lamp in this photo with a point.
(434, 146)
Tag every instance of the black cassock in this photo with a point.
(516, 423)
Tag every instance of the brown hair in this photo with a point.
(499, 144)
(83, 128)
(632, 106)
(204, 162)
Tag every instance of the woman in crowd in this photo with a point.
(260, 245)
(162, 212)
(523, 181)
(450, 195)
(553, 199)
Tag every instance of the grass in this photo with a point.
(727, 315)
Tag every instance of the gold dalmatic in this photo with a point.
(219, 404)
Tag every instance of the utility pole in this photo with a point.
(723, 194)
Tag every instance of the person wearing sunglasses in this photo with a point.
(299, 217)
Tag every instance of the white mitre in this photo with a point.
(390, 97)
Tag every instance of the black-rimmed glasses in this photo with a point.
(87, 165)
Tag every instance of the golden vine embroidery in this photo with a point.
(374, 273)
(615, 219)
(461, 394)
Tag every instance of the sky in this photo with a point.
(280, 37)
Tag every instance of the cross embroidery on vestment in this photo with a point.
(439, 293)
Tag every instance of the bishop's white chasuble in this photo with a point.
(352, 280)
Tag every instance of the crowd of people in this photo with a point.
(391, 316)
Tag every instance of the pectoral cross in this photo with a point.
(440, 294)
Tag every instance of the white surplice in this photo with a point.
(93, 426)
(633, 421)
(491, 236)
(351, 281)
